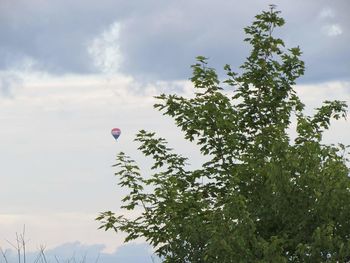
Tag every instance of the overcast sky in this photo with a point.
(72, 70)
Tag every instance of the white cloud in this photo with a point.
(333, 30)
(12, 79)
(326, 13)
(105, 51)
(8, 82)
(314, 95)
(57, 151)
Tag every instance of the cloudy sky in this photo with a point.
(72, 70)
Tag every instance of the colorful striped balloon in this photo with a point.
(116, 133)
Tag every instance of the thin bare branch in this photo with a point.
(98, 257)
(3, 253)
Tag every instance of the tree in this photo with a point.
(260, 197)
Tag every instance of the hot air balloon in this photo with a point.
(116, 133)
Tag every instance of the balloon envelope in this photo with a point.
(116, 133)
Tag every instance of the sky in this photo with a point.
(70, 71)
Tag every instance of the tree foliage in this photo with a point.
(260, 197)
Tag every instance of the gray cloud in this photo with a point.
(159, 39)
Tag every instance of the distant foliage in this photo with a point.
(261, 197)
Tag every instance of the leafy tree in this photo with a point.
(260, 197)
